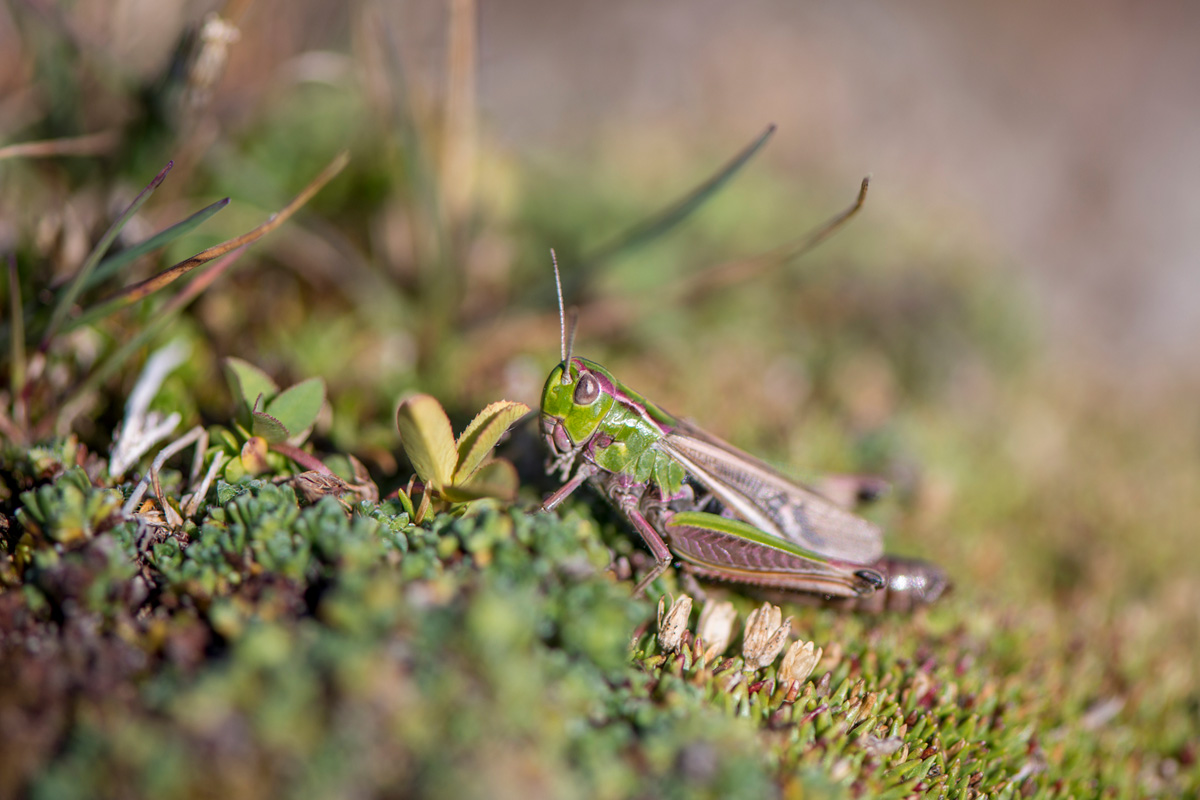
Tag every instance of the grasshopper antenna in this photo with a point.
(562, 317)
(566, 376)
(567, 341)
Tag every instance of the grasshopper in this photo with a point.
(723, 513)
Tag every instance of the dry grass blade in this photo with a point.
(743, 269)
(88, 145)
(458, 157)
(413, 151)
(138, 291)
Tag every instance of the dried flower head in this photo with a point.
(798, 662)
(672, 624)
(765, 636)
(715, 628)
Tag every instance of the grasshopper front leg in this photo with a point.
(582, 474)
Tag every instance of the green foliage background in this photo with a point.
(280, 648)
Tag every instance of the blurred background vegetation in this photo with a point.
(1049, 461)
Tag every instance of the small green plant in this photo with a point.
(456, 471)
(267, 419)
(274, 415)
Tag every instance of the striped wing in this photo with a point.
(771, 502)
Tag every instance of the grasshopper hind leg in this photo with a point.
(694, 496)
(872, 577)
(908, 584)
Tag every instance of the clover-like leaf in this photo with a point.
(248, 381)
(297, 407)
(428, 439)
(494, 479)
(482, 434)
(269, 428)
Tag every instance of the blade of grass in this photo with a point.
(414, 154)
(439, 274)
(17, 368)
(67, 297)
(176, 304)
(139, 291)
(228, 253)
(743, 269)
(604, 312)
(110, 265)
(677, 212)
(88, 145)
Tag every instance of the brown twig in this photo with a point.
(87, 145)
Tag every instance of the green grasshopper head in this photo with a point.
(578, 394)
(574, 404)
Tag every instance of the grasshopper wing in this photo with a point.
(774, 503)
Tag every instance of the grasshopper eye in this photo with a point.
(587, 390)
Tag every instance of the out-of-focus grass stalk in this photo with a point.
(460, 145)
(114, 362)
(227, 251)
(88, 145)
(658, 224)
(110, 266)
(729, 273)
(16, 382)
(67, 297)
(139, 291)
(438, 275)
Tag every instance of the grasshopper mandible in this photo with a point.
(724, 514)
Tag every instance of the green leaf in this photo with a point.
(428, 439)
(482, 434)
(495, 479)
(269, 427)
(297, 406)
(248, 381)
(223, 438)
